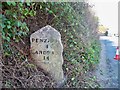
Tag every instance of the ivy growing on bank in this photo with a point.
(13, 25)
(76, 23)
(78, 27)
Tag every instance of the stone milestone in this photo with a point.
(46, 51)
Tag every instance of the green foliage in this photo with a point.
(78, 29)
(13, 25)
(77, 26)
(74, 21)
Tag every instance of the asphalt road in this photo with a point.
(107, 70)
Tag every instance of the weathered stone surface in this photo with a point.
(46, 51)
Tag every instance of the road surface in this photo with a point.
(107, 70)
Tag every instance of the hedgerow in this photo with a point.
(78, 27)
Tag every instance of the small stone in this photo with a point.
(46, 51)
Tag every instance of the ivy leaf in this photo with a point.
(34, 13)
(13, 3)
(8, 39)
(52, 3)
(28, 4)
(40, 6)
(6, 54)
(23, 24)
(8, 12)
(3, 25)
(3, 34)
(18, 23)
(25, 11)
(20, 4)
(9, 3)
(22, 17)
(75, 42)
(8, 26)
(15, 16)
(1, 16)
(71, 45)
(31, 13)
(50, 12)
(71, 36)
(16, 39)
(9, 34)
(27, 29)
(8, 22)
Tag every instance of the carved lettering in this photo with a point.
(36, 40)
(46, 51)
(43, 52)
(40, 52)
(45, 40)
(46, 57)
(33, 39)
(46, 46)
(41, 40)
(52, 52)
